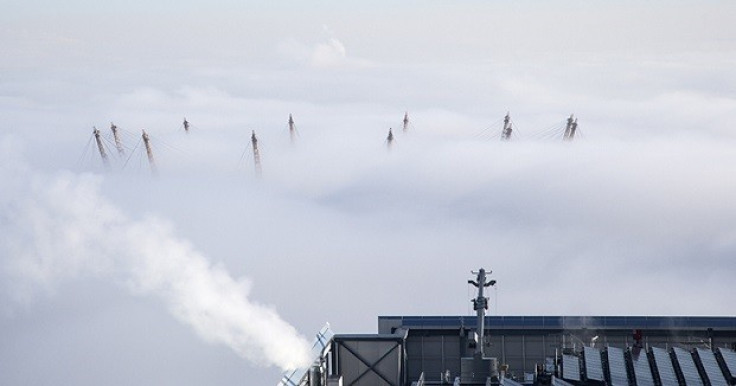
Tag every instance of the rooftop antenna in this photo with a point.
(479, 369)
(116, 135)
(292, 129)
(149, 152)
(101, 147)
(256, 154)
(406, 121)
(568, 128)
(480, 305)
(390, 138)
(186, 125)
(506, 133)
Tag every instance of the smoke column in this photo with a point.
(57, 228)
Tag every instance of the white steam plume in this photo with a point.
(59, 227)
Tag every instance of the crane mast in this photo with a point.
(568, 128)
(149, 151)
(506, 133)
(100, 147)
(292, 129)
(256, 154)
(116, 136)
(573, 129)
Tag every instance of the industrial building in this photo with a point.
(530, 350)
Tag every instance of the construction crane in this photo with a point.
(149, 152)
(292, 129)
(573, 130)
(506, 133)
(103, 154)
(256, 154)
(568, 128)
(116, 136)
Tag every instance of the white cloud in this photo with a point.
(329, 54)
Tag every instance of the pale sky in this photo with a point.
(115, 277)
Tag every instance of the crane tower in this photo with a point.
(256, 154)
(101, 148)
(149, 151)
(292, 129)
(506, 133)
(116, 136)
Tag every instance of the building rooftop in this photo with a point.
(559, 322)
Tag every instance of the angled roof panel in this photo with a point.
(617, 367)
(570, 367)
(509, 382)
(664, 365)
(729, 357)
(687, 365)
(559, 382)
(643, 372)
(593, 364)
(712, 369)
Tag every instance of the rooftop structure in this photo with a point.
(528, 350)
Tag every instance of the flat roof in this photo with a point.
(564, 322)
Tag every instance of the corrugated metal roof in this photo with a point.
(688, 368)
(617, 366)
(664, 365)
(711, 367)
(729, 357)
(593, 364)
(643, 371)
(570, 367)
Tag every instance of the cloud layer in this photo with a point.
(634, 217)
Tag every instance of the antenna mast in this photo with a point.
(406, 121)
(389, 139)
(480, 305)
(101, 147)
(506, 133)
(186, 125)
(256, 154)
(292, 129)
(116, 135)
(147, 142)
